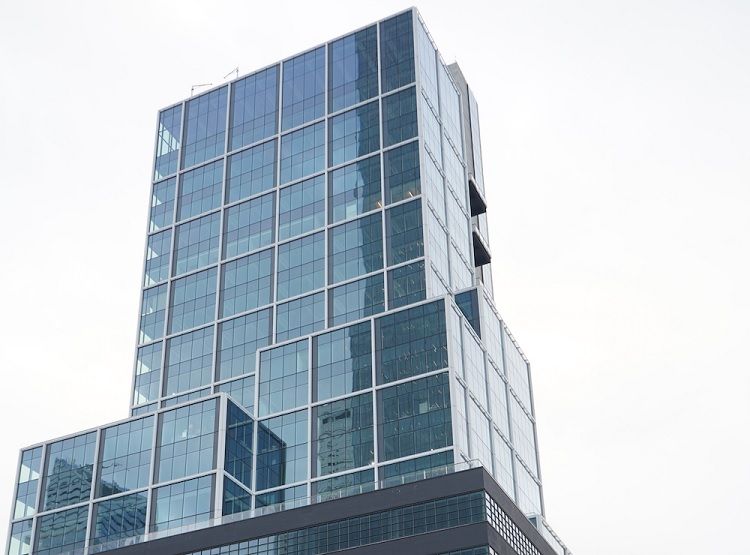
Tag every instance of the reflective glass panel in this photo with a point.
(168, 142)
(189, 359)
(249, 225)
(342, 361)
(300, 316)
(157, 258)
(404, 232)
(251, 171)
(162, 204)
(406, 285)
(153, 308)
(301, 266)
(196, 244)
(396, 52)
(182, 503)
(303, 93)
(236, 499)
(238, 453)
(353, 134)
(302, 207)
(399, 117)
(119, 518)
(353, 69)
(283, 378)
(126, 457)
(20, 538)
(302, 153)
(254, 112)
(242, 391)
(205, 124)
(70, 466)
(282, 450)
(357, 299)
(354, 189)
(239, 339)
(193, 301)
(246, 283)
(401, 173)
(147, 374)
(61, 532)
(28, 483)
(187, 440)
(200, 190)
(344, 434)
(356, 248)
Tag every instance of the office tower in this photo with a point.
(319, 364)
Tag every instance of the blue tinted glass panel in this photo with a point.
(242, 391)
(20, 538)
(239, 339)
(282, 450)
(246, 283)
(283, 378)
(355, 189)
(61, 532)
(342, 361)
(353, 69)
(254, 108)
(147, 374)
(157, 258)
(302, 207)
(396, 52)
(401, 173)
(302, 153)
(182, 503)
(189, 360)
(70, 465)
(251, 171)
(406, 285)
(119, 518)
(187, 439)
(28, 483)
(168, 142)
(153, 308)
(342, 486)
(162, 205)
(469, 305)
(126, 457)
(301, 266)
(200, 190)
(357, 299)
(238, 452)
(303, 93)
(416, 469)
(193, 301)
(343, 435)
(356, 248)
(249, 225)
(399, 117)
(185, 397)
(414, 417)
(205, 126)
(404, 232)
(411, 342)
(196, 244)
(236, 499)
(300, 317)
(353, 134)
(286, 498)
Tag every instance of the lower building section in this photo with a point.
(461, 513)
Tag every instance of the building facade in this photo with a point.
(317, 339)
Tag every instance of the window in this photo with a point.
(517, 369)
(354, 189)
(126, 457)
(67, 476)
(249, 225)
(238, 453)
(239, 339)
(404, 233)
(503, 464)
(28, 482)
(302, 207)
(162, 205)
(61, 532)
(147, 374)
(236, 499)
(498, 399)
(205, 124)
(529, 492)
(300, 317)
(353, 69)
(469, 305)
(254, 113)
(416, 469)
(168, 142)
(242, 391)
(342, 486)
(153, 306)
(357, 299)
(251, 171)
(523, 435)
(193, 301)
(119, 518)
(399, 117)
(303, 94)
(20, 538)
(342, 361)
(283, 378)
(185, 397)
(396, 52)
(182, 503)
(473, 363)
(411, 342)
(414, 417)
(301, 266)
(479, 429)
(247, 283)
(189, 359)
(303, 152)
(356, 248)
(157, 258)
(450, 107)
(200, 190)
(354, 134)
(282, 450)
(402, 173)
(196, 244)
(187, 439)
(406, 285)
(427, 64)
(344, 436)
(431, 133)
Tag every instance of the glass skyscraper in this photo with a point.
(316, 323)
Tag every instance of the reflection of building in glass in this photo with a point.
(317, 320)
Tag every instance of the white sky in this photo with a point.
(616, 145)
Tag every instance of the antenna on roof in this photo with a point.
(192, 89)
(236, 72)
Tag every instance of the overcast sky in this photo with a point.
(616, 140)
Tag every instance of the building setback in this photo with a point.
(320, 365)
